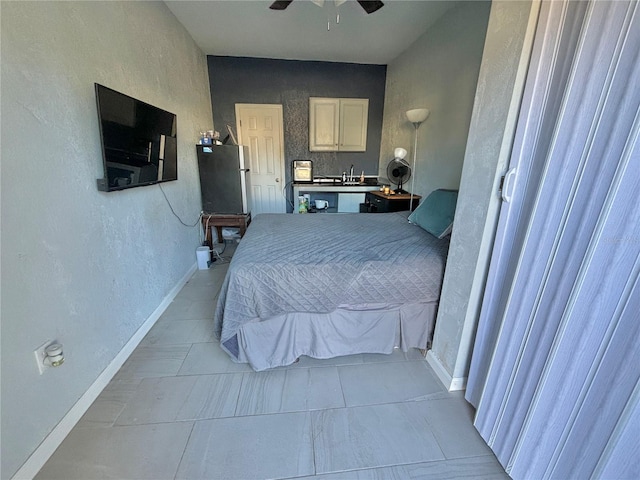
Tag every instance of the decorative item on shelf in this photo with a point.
(415, 116)
(210, 137)
(204, 139)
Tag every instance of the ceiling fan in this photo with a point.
(368, 6)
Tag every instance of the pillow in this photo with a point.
(435, 213)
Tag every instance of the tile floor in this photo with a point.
(179, 408)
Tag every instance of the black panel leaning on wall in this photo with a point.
(291, 83)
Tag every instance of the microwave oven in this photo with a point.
(302, 171)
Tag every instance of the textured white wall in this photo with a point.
(84, 267)
(442, 71)
(478, 202)
(439, 72)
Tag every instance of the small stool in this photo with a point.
(220, 220)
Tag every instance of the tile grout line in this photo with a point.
(393, 466)
(186, 444)
(235, 410)
(177, 374)
(344, 398)
(255, 415)
(313, 443)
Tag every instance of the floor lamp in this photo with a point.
(415, 116)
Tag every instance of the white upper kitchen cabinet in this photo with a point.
(338, 124)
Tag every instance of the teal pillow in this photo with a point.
(435, 213)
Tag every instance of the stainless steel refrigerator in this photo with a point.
(224, 178)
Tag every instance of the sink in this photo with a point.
(336, 182)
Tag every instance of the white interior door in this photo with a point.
(260, 128)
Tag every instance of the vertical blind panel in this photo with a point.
(602, 399)
(621, 460)
(608, 136)
(574, 412)
(552, 251)
(552, 58)
(558, 326)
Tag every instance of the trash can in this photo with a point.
(202, 255)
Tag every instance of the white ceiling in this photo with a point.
(250, 29)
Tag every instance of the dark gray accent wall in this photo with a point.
(291, 83)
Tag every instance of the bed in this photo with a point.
(326, 285)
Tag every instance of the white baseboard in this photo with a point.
(49, 445)
(451, 383)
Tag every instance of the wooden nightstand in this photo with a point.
(220, 220)
(378, 202)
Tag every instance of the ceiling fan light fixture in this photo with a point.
(370, 6)
(280, 4)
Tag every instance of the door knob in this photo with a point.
(277, 180)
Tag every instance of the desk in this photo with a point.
(220, 220)
(379, 202)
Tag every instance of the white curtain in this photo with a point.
(555, 373)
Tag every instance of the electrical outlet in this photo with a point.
(41, 355)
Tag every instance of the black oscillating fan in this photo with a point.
(398, 172)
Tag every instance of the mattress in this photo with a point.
(298, 282)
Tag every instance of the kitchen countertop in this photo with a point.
(326, 184)
(335, 187)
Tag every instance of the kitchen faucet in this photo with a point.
(351, 173)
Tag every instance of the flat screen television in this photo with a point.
(138, 141)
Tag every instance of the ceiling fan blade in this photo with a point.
(280, 4)
(370, 6)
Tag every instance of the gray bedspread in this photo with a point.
(296, 281)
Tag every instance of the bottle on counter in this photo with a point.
(362, 177)
(302, 205)
(344, 176)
